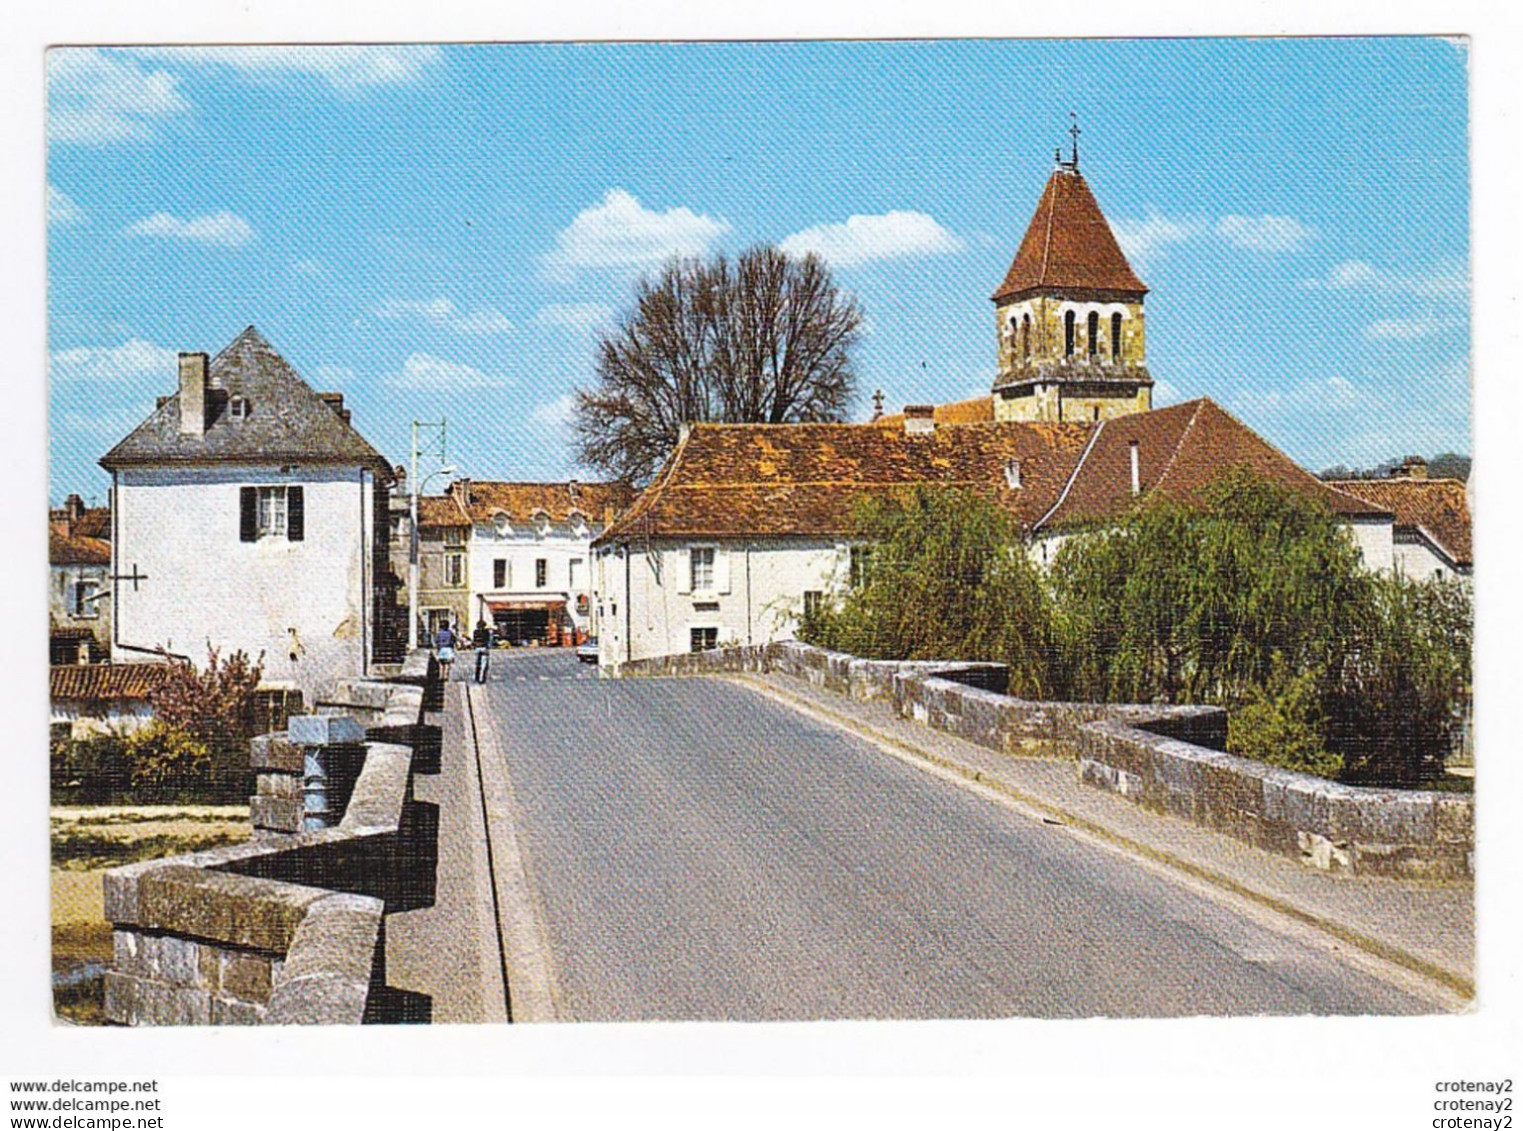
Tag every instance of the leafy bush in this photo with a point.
(89, 770)
(1282, 724)
(166, 762)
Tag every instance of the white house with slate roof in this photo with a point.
(250, 514)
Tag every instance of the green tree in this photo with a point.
(1192, 602)
(1395, 705)
(948, 579)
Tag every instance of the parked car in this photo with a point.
(587, 650)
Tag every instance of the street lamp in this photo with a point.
(416, 489)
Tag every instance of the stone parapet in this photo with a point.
(282, 929)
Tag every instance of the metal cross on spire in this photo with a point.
(1074, 132)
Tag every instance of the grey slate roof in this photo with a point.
(287, 423)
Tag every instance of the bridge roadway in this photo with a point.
(689, 849)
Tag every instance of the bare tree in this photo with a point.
(765, 339)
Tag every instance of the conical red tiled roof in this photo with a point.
(1069, 244)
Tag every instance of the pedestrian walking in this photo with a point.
(444, 643)
(482, 639)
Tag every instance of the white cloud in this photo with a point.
(556, 413)
(862, 239)
(62, 208)
(619, 232)
(1142, 240)
(441, 311)
(581, 316)
(1446, 281)
(108, 364)
(1408, 329)
(222, 229)
(424, 371)
(1268, 234)
(1150, 239)
(347, 69)
(311, 267)
(98, 97)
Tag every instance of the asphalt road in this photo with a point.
(698, 851)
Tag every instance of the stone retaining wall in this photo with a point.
(1168, 759)
(282, 929)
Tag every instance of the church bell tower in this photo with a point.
(1069, 315)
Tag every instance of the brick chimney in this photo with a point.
(73, 511)
(192, 394)
(919, 419)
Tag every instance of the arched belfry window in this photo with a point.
(1094, 333)
(1068, 334)
(1026, 336)
(1116, 337)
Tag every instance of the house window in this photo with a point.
(575, 573)
(454, 569)
(861, 566)
(1068, 334)
(703, 639)
(702, 558)
(454, 536)
(541, 573)
(814, 603)
(1026, 336)
(271, 512)
(1094, 333)
(500, 573)
(238, 408)
(85, 604)
(1116, 337)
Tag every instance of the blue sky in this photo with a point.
(441, 231)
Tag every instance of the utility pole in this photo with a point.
(415, 488)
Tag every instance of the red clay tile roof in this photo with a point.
(76, 550)
(105, 681)
(739, 480)
(1069, 244)
(93, 522)
(1436, 506)
(975, 410)
(803, 480)
(1181, 449)
(441, 510)
(520, 501)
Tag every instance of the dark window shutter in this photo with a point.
(296, 514)
(248, 514)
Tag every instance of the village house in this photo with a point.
(529, 554)
(747, 526)
(444, 590)
(1432, 518)
(94, 699)
(249, 514)
(79, 589)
